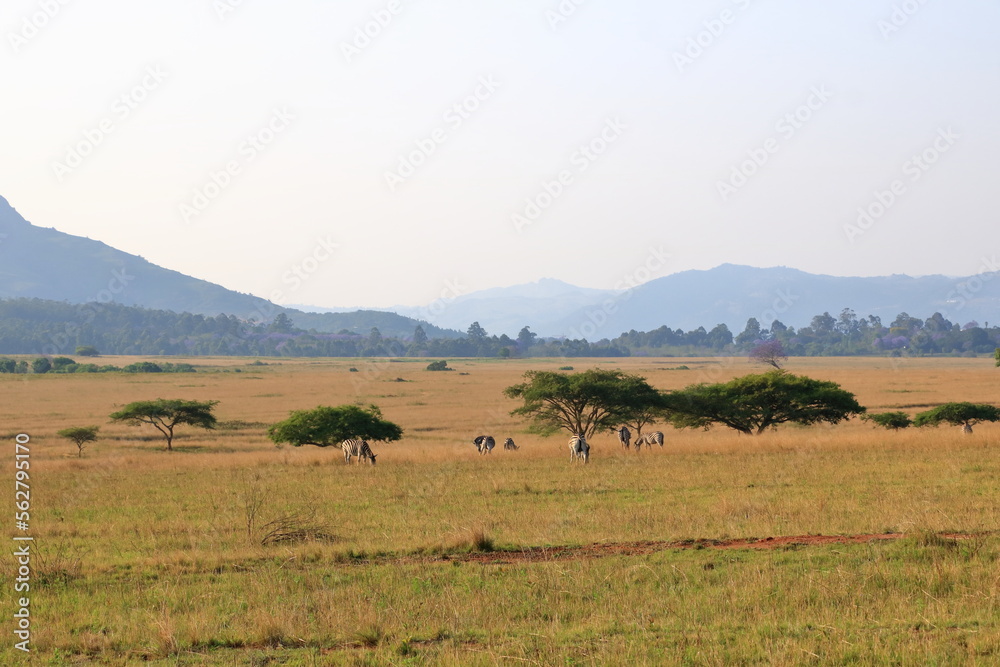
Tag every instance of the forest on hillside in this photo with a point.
(50, 328)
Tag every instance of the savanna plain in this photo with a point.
(232, 551)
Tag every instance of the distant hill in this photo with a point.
(43, 263)
(728, 294)
(731, 294)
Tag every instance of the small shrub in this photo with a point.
(441, 365)
(565, 368)
(87, 351)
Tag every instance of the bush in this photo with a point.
(41, 365)
(60, 363)
(439, 366)
(142, 367)
(7, 365)
(87, 351)
(891, 420)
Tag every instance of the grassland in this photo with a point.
(144, 555)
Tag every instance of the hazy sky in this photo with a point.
(278, 149)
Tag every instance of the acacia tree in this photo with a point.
(325, 426)
(754, 403)
(80, 435)
(582, 402)
(166, 414)
(958, 414)
(890, 420)
(769, 352)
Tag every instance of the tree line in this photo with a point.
(50, 328)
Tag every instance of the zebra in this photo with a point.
(649, 439)
(624, 436)
(509, 444)
(357, 448)
(578, 448)
(967, 428)
(484, 444)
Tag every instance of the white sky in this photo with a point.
(678, 131)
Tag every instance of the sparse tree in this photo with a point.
(166, 414)
(754, 403)
(419, 335)
(770, 352)
(958, 414)
(582, 402)
(281, 324)
(329, 426)
(889, 420)
(80, 435)
(476, 332)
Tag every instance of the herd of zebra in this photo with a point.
(579, 450)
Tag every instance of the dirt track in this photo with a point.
(602, 549)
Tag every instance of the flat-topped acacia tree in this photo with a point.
(330, 426)
(753, 403)
(167, 413)
(965, 415)
(583, 403)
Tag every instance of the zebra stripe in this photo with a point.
(579, 449)
(509, 444)
(357, 448)
(624, 435)
(648, 440)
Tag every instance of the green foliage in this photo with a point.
(958, 414)
(59, 363)
(582, 402)
(87, 351)
(441, 365)
(41, 365)
(754, 403)
(166, 414)
(8, 365)
(142, 367)
(326, 426)
(890, 420)
(80, 435)
(996, 355)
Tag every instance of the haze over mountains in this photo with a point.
(48, 264)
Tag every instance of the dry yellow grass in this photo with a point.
(168, 531)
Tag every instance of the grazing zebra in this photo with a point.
(579, 449)
(484, 444)
(648, 440)
(967, 429)
(509, 444)
(357, 448)
(624, 436)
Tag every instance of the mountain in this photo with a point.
(541, 305)
(48, 264)
(731, 294)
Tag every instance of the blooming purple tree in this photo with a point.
(769, 352)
